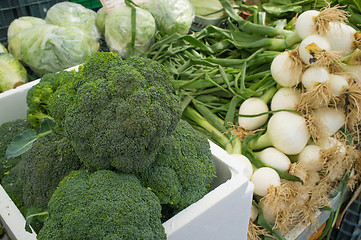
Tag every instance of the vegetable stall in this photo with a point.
(275, 84)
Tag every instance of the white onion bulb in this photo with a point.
(263, 178)
(338, 84)
(288, 132)
(253, 106)
(331, 118)
(284, 71)
(286, 98)
(305, 23)
(341, 38)
(313, 76)
(310, 158)
(318, 40)
(274, 158)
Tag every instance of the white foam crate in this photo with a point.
(221, 214)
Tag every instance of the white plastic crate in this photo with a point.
(222, 214)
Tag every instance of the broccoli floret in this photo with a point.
(39, 95)
(49, 160)
(63, 97)
(119, 121)
(97, 65)
(183, 169)
(13, 186)
(8, 131)
(102, 205)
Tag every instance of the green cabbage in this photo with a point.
(70, 14)
(21, 23)
(118, 30)
(47, 48)
(171, 16)
(12, 73)
(100, 20)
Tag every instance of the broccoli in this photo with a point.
(118, 121)
(8, 131)
(97, 65)
(183, 169)
(49, 160)
(102, 205)
(39, 95)
(13, 186)
(62, 98)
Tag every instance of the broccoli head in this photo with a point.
(8, 131)
(118, 121)
(102, 205)
(49, 160)
(183, 169)
(39, 95)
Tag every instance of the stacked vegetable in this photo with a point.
(104, 145)
(281, 99)
(63, 39)
(70, 32)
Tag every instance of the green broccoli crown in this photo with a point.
(183, 169)
(119, 121)
(102, 205)
(8, 131)
(97, 65)
(49, 160)
(39, 95)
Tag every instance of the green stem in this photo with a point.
(237, 145)
(268, 95)
(260, 143)
(219, 137)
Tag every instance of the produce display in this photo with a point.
(276, 84)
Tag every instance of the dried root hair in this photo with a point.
(296, 62)
(256, 232)
(317, 97)
(328, 59)
(286, 203)
(240, 132)
(329, 14)
(350, 101)
(309, 178)
(337, 165)
(315, 126)
(356, 178)
(353, 181)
